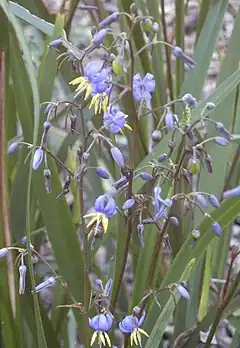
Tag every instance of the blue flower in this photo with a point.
(101, 323)
(37, 158)
(142, 88)
(115, 120)
(96, 83)
(131, 325)
(105, 208)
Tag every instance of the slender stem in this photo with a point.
(3, 186)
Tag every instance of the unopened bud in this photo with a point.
(146, 24)
(99, 37)
(133, 8)
(109, 20)
(22, 279)
(47, 179)
(194, 166)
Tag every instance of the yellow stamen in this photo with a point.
(76, 81)
(128, 127)
(102, 338)
(139, 338)
(94, 336)
(88, 92)
(105, 223)
(82, 86)
(143, 332)
(107, 339)
(96, 106)
(92, 221)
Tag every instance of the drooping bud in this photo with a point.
(117, 156)
(46, 125)
(55, 43)
(214, 201)
(37, 158)
(108, 287)
(155, 27)
(22, 279)
(85, 157)
(162, 157)
(182, 290)
(146, 24)
(102, 173)
(194, 166)
(129, 203)
(133, 8)
(119, 183)
(221, 141)
(195, 234)
(99, 37)
(169, 120)
(210, 106)
(186, 175)
(42, 286)
(109, 20)
(156, 135)
(24, 242)
(146, 176)
(178, 53)
(235, 192)
(12, 148)
(174, 220)
(208, 162)
(3, 252)
(47, 179)
(172, 144)
(189, 99)
(202, 201)
(220, 127)
(217, 229)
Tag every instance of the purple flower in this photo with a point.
(131, 325)
(214, 201)
(101, 323)
(13, 147)
(102, 173)
(235, 192)
(117, 156)
(222, 130)
(178, 53)
(97, 77)
(221, 141)
(146, 176)
(106, 205)
(183, 291)
(3, 252)
(22, 279)
(109, 20)
(169, 121)
(217, 229)
(42, 286)
(129, 203)
(99, 37)
(114, 120)
(142, 88)
(202, 201)
(37, 158)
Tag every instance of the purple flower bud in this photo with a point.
(37, 158)
(169, 120)
(108, 287)
(102, 173)
(195, 234)
(225, 133)
(214, 201)
(99, 38)
(117, 156)
(133, 8)
(46, 125)
(162, 157)
(47, 179)
(221, 141)
(208, 162)
(146, 24)
(119, 183)
(42, 286)
(22, 279)
(183, 291)
(109, 20)
(202, 201)
(55, 43)
(155, 27)
(186, 175)
(13, 147)
(129, 203)
(156, 135)
(217, 229)
(189, 100)
(235, 192)
(174, 220)
(3, 252)
(146, 176)
(24, 242)
(85, 157)
(140, 230)
(210, 106)
(178, 53)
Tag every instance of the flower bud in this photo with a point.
(140, 230)
(214, 201)
(85, 157)
(210, 106)
(178, 53)
(3, 252)
(221, 141)
(129, 203)
(194, 166)
(22, 279)
(109, 20)
(235, 192)
(156, 135)
(12, 148)
(119, 183)
(169, 121)
(37, 158)
(47, 179)
(46, 125)
(55, 43)
(172, 144)
(117, 156)
(195, 234)
(202, 201)
(24, 242)
(102, 173)
(208, 162)
(146, 24)
(182, 290)
(217, 229)
(155, 27)
(174, 220)
(42, 286)
(99, 37)
(186, 175)
(162, 157)
(133, 8)
(146, 176)
(222, 130)
(108, 287)
(189, 99)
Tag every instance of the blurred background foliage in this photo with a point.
(30, 76)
